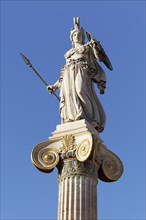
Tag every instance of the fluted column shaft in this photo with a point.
(77, 190)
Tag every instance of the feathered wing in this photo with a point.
(101, 55)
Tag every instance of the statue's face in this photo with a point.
(77, 37)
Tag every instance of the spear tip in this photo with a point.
(25, 59)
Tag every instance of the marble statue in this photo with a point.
(78, 99)
(75, 147)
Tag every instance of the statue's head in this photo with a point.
(77, 34)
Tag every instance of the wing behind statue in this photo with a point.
(101, 53)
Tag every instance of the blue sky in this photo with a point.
(40, 30)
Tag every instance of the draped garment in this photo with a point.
(78, 97)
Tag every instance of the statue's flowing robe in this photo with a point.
(78, 97)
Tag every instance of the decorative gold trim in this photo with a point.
(84, 150)
(111, 169)
(45, 159)
(68, 143)
(73, 167)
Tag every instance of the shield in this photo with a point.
(105, 58)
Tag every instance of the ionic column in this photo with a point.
(80, 156)
(77, 190)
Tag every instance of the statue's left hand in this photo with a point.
(92, 43)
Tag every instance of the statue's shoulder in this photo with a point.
(69, 53)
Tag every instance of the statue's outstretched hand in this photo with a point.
(51, 89)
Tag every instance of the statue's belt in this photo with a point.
(83, 63)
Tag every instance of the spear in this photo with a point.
(31, 66)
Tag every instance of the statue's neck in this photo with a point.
(77, 44)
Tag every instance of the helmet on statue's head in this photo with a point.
(77, 29)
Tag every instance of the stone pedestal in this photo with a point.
(80, 156)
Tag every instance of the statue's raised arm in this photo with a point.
(78, 99)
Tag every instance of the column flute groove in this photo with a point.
(79, 191)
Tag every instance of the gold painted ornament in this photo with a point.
(112, 169)
(48, 157)
(84, 150)
(45, 159)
